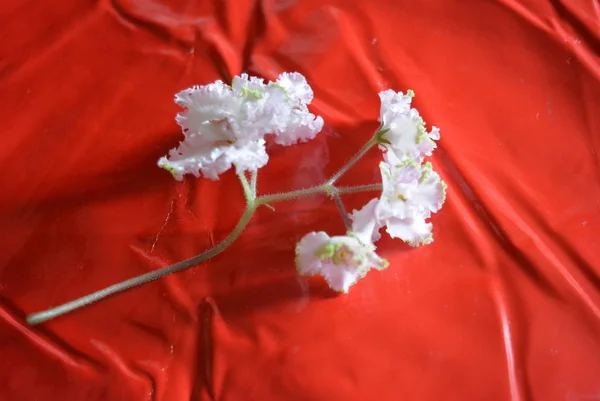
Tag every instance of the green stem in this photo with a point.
(253, 179)
(353, 160)
(342, 209)
(265, 199)
(40, 317)
(360, 188)
(248, 193)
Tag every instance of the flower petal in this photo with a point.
(413, 230)
(301, 126)
(206, 103)
(434, 133)
(296, 87)
(250, 157)
(431, 193)
(340, 279)
(307, 263)
(393, 103)
(195, 155)
(247, 86)
(365, 223)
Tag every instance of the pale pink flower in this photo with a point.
(341, 260)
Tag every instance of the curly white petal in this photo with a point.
(365, 223)
(393, 103)
(431, 193)
(245, 85)
(250, 157)
(412, 230)
(301, 126)
(307, 263)
(296, 87)
(196, 156)
(206, 103)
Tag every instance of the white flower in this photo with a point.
(409, 188)
(402, 127)
(225, 126)
(341, 260)
(411, 192)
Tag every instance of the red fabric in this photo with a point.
(504, 305)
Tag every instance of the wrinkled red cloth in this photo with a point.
(504, 305)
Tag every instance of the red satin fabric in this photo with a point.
(504, 305)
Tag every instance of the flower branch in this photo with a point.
(40, 317)
(225, 127)
(340, 205)
(360, 188)
(353, 160)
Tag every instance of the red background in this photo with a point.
(504, 305)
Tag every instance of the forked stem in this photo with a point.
(249, 194)
(342, 209)
(252, 203)
(266, 199)
(360, 188)
(353, 160)
(253, 179)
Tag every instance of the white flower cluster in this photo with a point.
(411, 192)
(225, 126)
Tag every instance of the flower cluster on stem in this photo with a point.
(225, 127)
(410, 192)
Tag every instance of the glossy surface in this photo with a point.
(505, 305)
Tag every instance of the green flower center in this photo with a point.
(252, 92)
(339, 254)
